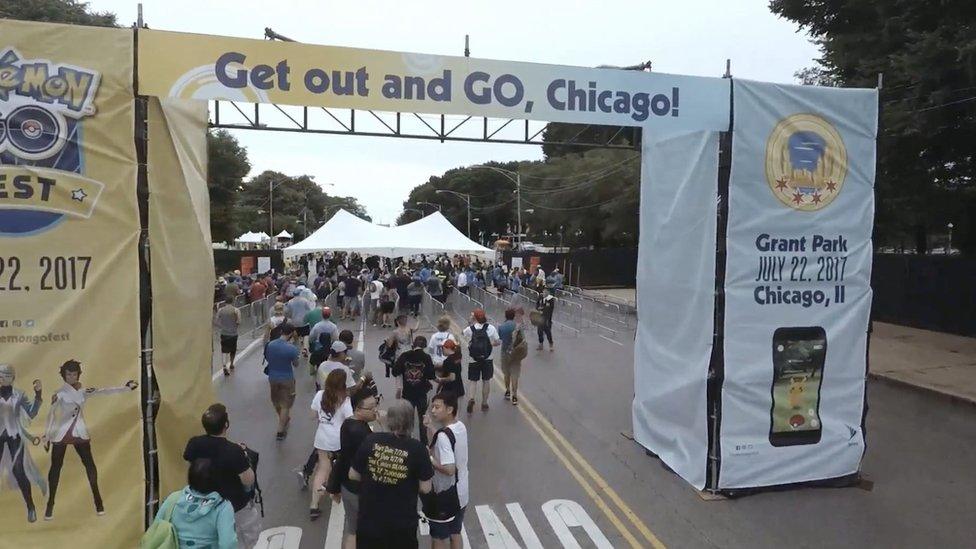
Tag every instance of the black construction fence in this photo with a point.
(923, 291)
(926, 291)
(231, 260)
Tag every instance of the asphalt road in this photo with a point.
(556, 471)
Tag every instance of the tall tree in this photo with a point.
(227, 166)
(927, 52)
(56, 11)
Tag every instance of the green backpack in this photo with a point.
(161, 533)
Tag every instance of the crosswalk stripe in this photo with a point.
(496, 535)
(333, 536)
(529, 538)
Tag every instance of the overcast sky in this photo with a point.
(687, 37)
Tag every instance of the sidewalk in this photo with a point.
(931, 361)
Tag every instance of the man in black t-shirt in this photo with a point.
(417, 370)
(351, 436)
(394, 470)
(232, 470)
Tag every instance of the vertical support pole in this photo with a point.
(148, 386)
(467, 44)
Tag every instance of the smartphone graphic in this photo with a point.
(798, 361)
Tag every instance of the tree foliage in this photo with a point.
(927, 52)
(574, 199)
(56, 11)
(294, 202)
(227, 166)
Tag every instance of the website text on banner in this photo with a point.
(193, 66)
(71, 449)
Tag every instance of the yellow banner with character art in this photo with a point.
(71, 465)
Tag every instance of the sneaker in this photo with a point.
(471, 406)
(508, 395)
(314, 514)
(302, 478)
(280, 435)
(226, 372)
(551, 348)
(515, 400)
(484, 407)
(31, 515)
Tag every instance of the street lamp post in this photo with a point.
(518, 193)
(434, 204)
(467, 200)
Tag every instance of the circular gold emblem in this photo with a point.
(806, 162)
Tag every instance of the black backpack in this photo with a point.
(480, 346)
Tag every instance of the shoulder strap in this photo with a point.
(450, 437)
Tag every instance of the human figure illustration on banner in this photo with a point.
(16, 465)
(66, 427)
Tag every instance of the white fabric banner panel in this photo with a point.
(798, 294)
(196, 66)
(676, 282)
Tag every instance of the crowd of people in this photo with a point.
(377, 463)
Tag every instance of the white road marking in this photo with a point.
(496, 535)
(240, 356)
(529, 538)
(337, 516)
(564, 514)
(611, 340)
(281, 537)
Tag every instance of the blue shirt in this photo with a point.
(505, 331)
(280, 355)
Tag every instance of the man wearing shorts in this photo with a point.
(450, 460)
(282, 357)
(482, 338)
(297, 309)
(228, 320)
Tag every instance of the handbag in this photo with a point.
(442, 506)
(520, 347)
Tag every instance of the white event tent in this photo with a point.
(347, 233)
(252, 238)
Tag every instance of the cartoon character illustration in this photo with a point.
(797, 386)
(16, 411)
(66, 427)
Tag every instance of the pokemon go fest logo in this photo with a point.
(806, 162)
(41, 106)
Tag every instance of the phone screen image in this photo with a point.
(798, 361)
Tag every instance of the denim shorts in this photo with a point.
(444, 530)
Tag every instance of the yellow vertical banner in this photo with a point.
(71, 465)
(182, 269)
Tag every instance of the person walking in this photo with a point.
(415, 293)
(356, 359)
(462, 282)
(449, 457)
(354, 430)
(545, 305)
(297, 308)
(436, 346)
(282, 357)
(388, 304)
(337, 361)
(198, 513)
(331, 407)
(373, 312)
(449, 377)
(393, 469)
(514, 350)
(416, 371)
(483, 338)
(233, 476)
(227, 321)
(320, 339)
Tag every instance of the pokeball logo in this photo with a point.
(806, 162)
(42, 105)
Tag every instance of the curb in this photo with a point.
(954, 399)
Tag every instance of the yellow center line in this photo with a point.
(548, 432)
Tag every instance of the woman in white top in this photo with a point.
(330, 407)
(66, 427)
